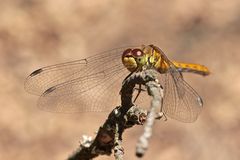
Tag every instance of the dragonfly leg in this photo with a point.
(139, 91)
(127, 77)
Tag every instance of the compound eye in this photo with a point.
(137, 52)
(127, 52)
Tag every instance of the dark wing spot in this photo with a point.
(34, 73)
(49, 90)
(86, 61)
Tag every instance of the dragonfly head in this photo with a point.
(133, 59)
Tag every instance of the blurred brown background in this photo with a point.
(35, 33)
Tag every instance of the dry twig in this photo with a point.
(109, 136)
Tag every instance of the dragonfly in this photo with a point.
(93, 84)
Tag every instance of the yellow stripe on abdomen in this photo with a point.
(193, 68)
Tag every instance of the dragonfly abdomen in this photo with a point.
(192, 68)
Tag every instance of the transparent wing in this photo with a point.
(79, 86)
(69, 97)
(44, 78)
(180, 101)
